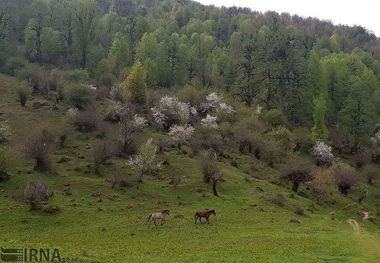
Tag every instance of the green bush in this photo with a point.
(274, 118)
(4, 165)
(371, 172)
(302, 140)
(14, 64)
(284, 137)
(23, 92)
(78, 96)
(191, 95)
(205, 138)
(345, 177)
(86, 121)
(31, 74)
(77, 75)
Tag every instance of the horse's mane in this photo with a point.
(166, 210)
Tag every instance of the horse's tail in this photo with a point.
(150, 216)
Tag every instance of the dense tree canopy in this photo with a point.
(319, 75)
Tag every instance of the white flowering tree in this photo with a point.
(130, 125)
(377, 137)
(258, 110)
(210, 122)
(170, 110)
(145, 162)
(114, 110)
(181, 134)
(213, 100)
(322, 154)
(215, 103)
(5, 133)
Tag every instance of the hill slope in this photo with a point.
(112, 227)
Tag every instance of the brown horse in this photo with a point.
(205, 214)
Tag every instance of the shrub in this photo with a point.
(31, 74)
(274, 118)
(117, 94)
(86, 121)
(284, 137)
(79, 96)
(175, 180)
(302, 140)
(35, 193)
(55, 79)
(244, 131)
(64, 134)
(102, 152)
(361, 159)
(37, 146)
(114, 110)
(14, 64)
(298, 171)
(77, 75)
(205, 138)
(299, 211)
(23, 93)
(322, 154)
(191, 95)
(323, 182)
(270, 151)
(145, 162)
(163, 144)
(345, 178)
(4, 165)
(277, 199)
(371, 173)
(5, 133)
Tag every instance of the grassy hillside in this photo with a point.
(112, 227)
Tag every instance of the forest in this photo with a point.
(128, 107)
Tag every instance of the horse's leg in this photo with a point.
(196, 218)
(162, 222)
(208, 221)
(155, 223)
(200, 220)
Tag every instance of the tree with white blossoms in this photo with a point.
(72, 112)
(130, 125)
(322, 154)
(5, 133)
(181, 134)
(215, 102)
(377, 137)
(170, 110)
(145, 162)
(210, 122)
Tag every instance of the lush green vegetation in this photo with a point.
(122, 108)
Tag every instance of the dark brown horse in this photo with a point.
(204, 214)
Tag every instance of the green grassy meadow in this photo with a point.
(113, 227)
